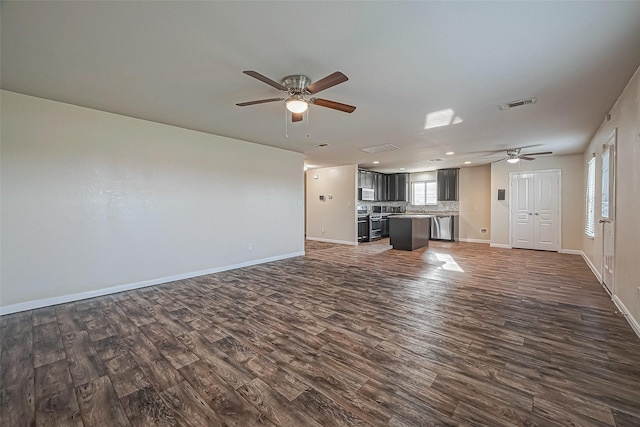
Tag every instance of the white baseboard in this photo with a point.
(571, 252)
(461, 239)
(593, 268)
(340, 242)
(627, 314)
(45, 302)
(500, 245)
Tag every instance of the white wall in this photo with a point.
(572, 189)
(334, 219)
(475, 203)
(92, 200)
(625, 117)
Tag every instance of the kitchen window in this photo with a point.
(590, 218)
(424, 193)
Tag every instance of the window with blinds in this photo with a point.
(590, 218)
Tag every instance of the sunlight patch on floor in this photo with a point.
(448, 263)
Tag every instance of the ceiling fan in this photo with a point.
(514, 155)
(298, 89)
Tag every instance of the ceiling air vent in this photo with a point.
(527, 101)
(380, 148)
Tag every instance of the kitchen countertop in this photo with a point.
(425, 214)
(411, 216)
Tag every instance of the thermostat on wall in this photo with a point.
(501, 193)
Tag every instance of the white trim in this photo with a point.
(571, 251)
(30, 305)
(500, 245)
(474, 240)
(627, 314)
(593, 268)
(341, 242)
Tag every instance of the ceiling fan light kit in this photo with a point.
(298, 87)
(296, 104)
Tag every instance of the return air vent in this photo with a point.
(380, 148)
(519, 103)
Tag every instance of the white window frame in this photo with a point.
(430, 192)
(590, 200)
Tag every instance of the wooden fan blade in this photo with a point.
(260, 101)
(327, 82)
(333, 104)
(526, 158)
(296, 117)
(538, 154)
(265, 79)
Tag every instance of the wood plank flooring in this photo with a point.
(452, 334)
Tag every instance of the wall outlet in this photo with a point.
(483, 231)
(250, 246)
(322, 230)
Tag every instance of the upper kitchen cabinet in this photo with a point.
(365, 179)
(386, 187)
(448, 185)
(398, 187)
(380, 186)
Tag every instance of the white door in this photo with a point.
(522, 210)
(608, 210)
(535, 212)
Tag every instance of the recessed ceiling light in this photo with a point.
(401, 169)
(375, 162)
(449, 153)
(467, 162)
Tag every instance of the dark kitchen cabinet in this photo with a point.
(448, 185)
(402, 194)
(398, 187)
(380, 187)
(384, 227)
(365, 179)
(387, 187)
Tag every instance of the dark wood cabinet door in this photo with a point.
(402, 187)
(447, 185)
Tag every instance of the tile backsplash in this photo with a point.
(440, 207)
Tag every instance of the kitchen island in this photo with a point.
(409, 231)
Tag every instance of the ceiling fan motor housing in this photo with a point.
(296, 83)
(513, 153)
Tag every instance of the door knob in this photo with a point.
(536, 213)
(602, 221)
(530, 214)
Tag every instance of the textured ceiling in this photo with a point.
(181, 63)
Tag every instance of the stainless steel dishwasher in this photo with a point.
(443, 228)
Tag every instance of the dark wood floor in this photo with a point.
(453, 334)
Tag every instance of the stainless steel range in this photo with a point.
(363, 224)
(375, 226)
